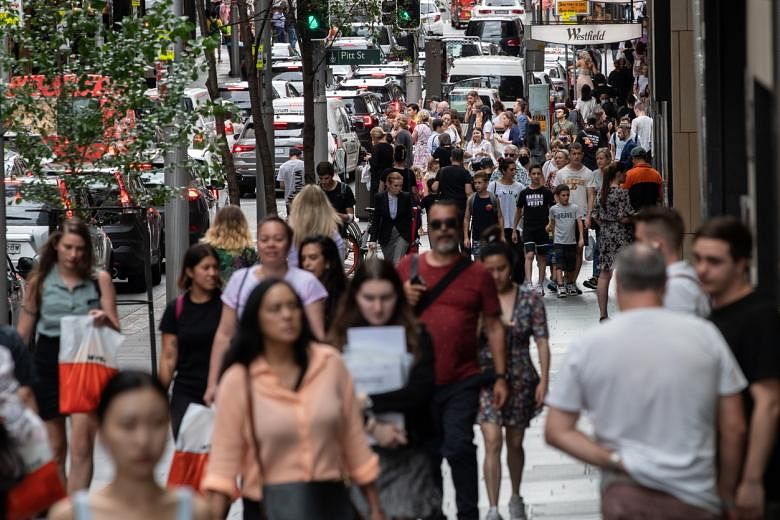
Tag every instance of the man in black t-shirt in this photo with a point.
(750, 323)
(590, 139)
(454, 182)
(339, 194)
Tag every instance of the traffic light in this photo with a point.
(317, 21)
(407, 14)
(388, 13)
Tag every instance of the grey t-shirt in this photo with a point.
(291, 174)
(684, 292)
(566, 222)
(650, 381)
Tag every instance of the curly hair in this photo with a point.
(230, 231)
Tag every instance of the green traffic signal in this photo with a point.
(407, 14)
(404, 16)
(313, 23)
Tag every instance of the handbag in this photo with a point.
(315, 500)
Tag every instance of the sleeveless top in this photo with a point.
(59, 300)
(81, 510)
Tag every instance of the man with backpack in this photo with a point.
(452, 322)
(339, 193)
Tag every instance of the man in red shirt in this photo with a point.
(643, 182)
(452, 319)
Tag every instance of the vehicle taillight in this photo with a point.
(124, 196)
(228, 128)
(65, 199)
(280, 125)
(512, 42)
(378, 75)
(240, 148)
(518, 11)
(368, 121)
(294, 67)
(192, 194)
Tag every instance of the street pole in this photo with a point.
(235, 55)
(3, 238)
(266, 105)
(320, 104)
(176, 209)
(413, 79)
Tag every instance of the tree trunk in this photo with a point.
(234, 195)
(262, 150)
(307, 54)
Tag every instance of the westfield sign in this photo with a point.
(585, 34)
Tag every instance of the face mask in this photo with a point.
(524, 160)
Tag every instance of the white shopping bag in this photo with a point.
(192, 447)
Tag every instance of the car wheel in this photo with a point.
(136, 282)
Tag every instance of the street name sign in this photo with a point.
(354, 57)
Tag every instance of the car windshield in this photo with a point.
(492, 31)
(428, 8)
(372, 32)
(509, 87)
(23, 211)
(462, 50)
(289, 76)
(355, 105)
(501, 3)
(239, 97)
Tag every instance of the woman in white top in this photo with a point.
(478, 147)
(587, 103)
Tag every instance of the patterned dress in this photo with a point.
(528, 319)
(421, 152)
(230, 261)
(613, 234)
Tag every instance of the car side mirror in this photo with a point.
(25, 265)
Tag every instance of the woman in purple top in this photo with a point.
(274, 238)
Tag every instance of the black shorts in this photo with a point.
(47, 366)
(536, 240)
(566, 256)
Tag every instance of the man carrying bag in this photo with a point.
(450, 294)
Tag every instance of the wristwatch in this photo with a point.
(616, 461)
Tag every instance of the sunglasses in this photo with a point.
(510, 155)
(447, 223)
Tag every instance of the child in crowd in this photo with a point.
(482, 211)
(533, 208)
(566, 225)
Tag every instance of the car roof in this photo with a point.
(234, 85)
(488, 60)
(368, 82)
(480, 90)
(497, 17)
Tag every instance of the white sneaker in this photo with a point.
(517, 508)
(493, 514)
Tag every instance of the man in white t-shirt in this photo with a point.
(642, 127)
(662, 390)
(582, 188)
(662, 229)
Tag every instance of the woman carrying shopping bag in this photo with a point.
(65, 283)
(287, 420)
(188, 326)
(133, 424)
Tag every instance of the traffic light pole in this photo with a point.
(320, 104)
(235, 51)
(413, 79)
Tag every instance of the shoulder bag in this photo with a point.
(433, 293)
(314, 500)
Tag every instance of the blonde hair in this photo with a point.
(312, 214)
(230, 231)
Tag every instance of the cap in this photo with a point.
(295, 151)
(638, 151)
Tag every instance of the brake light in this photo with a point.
(512, 42)
(144, 167)
(518, 11)
(234, 87)
(378, 75)
(124, 196)
(368, 121)
(228, 128)
(192, 194)
(65, 200)
(280, 125)
(240, 148)
(294, 67)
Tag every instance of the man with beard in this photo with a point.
(469, 293)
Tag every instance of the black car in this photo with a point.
(387, 90)
(365, 112)
(200, 200)
(505, 31)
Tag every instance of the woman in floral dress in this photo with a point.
(523, 315)
(612, 213)
(422, 131)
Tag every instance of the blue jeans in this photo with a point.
(292, 36)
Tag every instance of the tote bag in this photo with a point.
(87, 361)
(192, 447)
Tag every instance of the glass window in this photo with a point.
(501, 3)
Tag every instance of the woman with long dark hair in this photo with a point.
(65, 283)
(132, 419)
(287, 414)
(406, 483)
(320, 256)
(523, 315)
(612, 213)
(537, 143)
(188, 326)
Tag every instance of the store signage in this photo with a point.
(586, 34)
(571, 7)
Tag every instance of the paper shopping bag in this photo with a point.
(192, 447)
(87, 361)
(41, 486)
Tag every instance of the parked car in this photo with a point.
(364, 110)
(505, 73)
(506, 31)
(284, 89)
(380, 36)
(387, 90)
(293, 77)
(201, 202)
(431, 21)
(29, 222)
(491, 7)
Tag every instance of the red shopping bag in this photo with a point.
(87, 361)
(192, 447)
(41, 486)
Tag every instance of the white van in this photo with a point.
(504, 73)
(344, 149)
